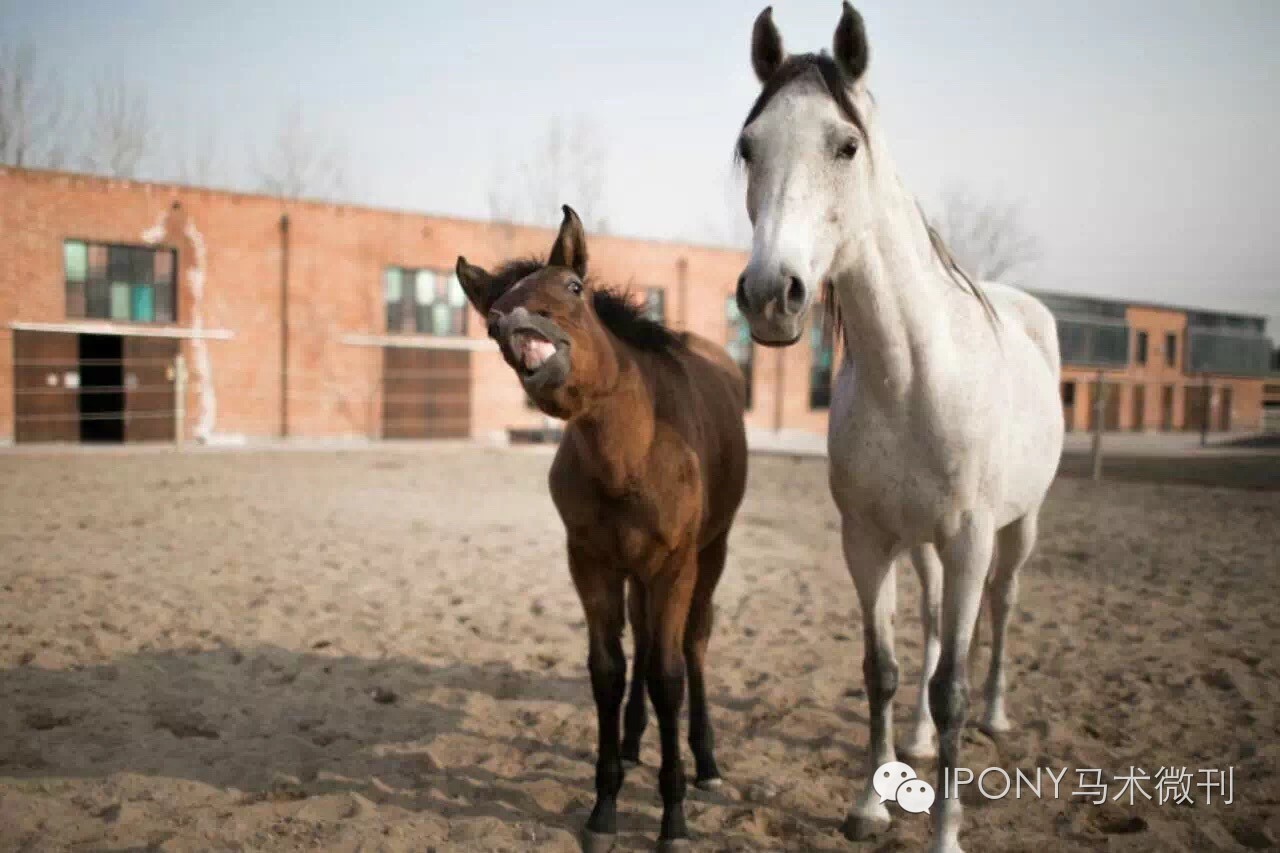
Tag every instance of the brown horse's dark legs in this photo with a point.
(697, 635)
(608, 684)
(636, 716)
(669, 610)
(603, 602)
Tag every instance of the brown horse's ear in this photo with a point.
(477, 284)
(767, 54)
(850, 44)
(570, 249)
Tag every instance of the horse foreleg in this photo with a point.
(929, 569)
(966, 558)
(603, 602)
(1013, 546)
(872, 569)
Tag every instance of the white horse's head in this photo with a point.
(809, 181)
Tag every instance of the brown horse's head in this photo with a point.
(542, 318)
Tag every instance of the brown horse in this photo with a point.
(647, 479)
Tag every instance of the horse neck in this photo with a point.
(618, 422)
(892, 290)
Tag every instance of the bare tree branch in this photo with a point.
(32, 117)
(989, 239)
(119, 129)
(300, 162)
(194, 155)
(568, 166)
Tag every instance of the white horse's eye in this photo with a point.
(847, 149)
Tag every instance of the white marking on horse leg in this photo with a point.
(1013, 546)
(873, 571)
(966, 558)
(929, 569)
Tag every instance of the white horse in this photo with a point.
(945, 425)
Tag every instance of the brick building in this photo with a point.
(309, 319)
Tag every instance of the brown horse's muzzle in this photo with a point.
(534, 346)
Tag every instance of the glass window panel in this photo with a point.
(119, 263)
(142, 265)
(425, 287)
(75, 299)
(97, 261)
(457, 297)
(162, 266)
(97, 299)
(440, 317)
(120, 300)
(76, 259)
(143, 303)
(422, 319)
(164, 303)
(392, 286)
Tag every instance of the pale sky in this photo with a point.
(1138, 136)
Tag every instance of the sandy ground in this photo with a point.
(381, 650)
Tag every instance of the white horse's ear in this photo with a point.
(850, 43)
(767, 54)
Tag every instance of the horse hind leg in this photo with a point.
(636, 716)
(928, 567)
(872, 569)
(1014, 543)
(697, 635)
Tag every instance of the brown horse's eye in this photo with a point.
(847, 149)
(744, 150)
(575, 287)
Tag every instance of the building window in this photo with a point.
(424, 302)
(821, 358)
(739, 342)
(1141, 356)
(1171, 350)
(655, 304)
(129, 283)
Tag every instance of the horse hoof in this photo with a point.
(673, 845)
(995, 725)
(712, 783)
(920, 750)
(597, 842)
(862, 827)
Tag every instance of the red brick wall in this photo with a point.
(337, 255)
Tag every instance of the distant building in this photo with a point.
(296, 318)
(1162, 367)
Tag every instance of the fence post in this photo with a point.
(179, 399)
(1099, 410)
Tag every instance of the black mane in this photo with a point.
(621, 315)
(616, 309)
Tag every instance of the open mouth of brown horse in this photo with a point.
(540, 358)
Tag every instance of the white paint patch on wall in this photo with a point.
(202, 369)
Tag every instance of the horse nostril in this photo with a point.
(741, 293)
(795, 295)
